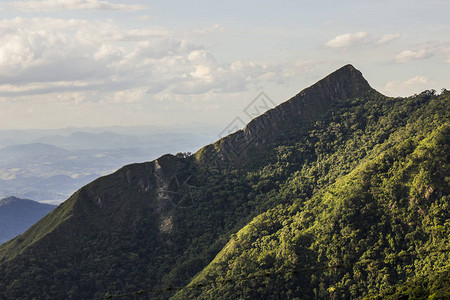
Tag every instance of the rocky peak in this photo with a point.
(18, 202)
(8, 200)
(345, 83)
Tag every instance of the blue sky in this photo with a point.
(181, 63)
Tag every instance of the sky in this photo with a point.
(92, 63)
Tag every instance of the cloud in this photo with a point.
(388, 38)
(46, 56)
(445, 51)
(45, 50)
(346, 40)
(53, 5)
(216, 28)
(417, 80)
(414, 85)
(410, 55)
(146, 17)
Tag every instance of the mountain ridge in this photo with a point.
(339, 77)
(158, 224)
(307, 105)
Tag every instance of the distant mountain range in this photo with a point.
(338, 193)
(17, 215)
(51, 165)
(107, 137)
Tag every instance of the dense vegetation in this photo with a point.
(385, 223)
(351, 201)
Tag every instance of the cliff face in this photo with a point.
(308, 105)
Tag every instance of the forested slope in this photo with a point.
(385, 224)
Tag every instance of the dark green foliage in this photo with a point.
(378, 227)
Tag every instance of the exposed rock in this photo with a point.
(237, 148)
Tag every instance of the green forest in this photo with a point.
(380, 229)
(348, 199)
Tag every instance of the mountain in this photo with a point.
(71, 138)
(29, 152)
(110, 140)
(289, 118)
(45, 172)
(339, 192)
(17, 215)
(50, 168)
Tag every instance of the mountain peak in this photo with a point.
(347, 68)
(348, 71)
(12, 199)
(307, 106)
(346, 82)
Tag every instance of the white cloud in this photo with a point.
(410, 55)
(414, 85)
(146, 17)
(417, 80)
(216, 28)
(45, 55)
(53, 5)
(445, 51)
(133, 95)
(346, 40)
(388, 38)
(45, 50)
